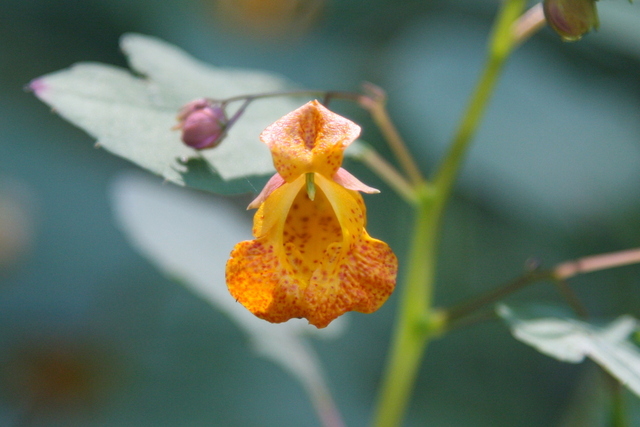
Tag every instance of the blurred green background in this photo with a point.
(92, 335)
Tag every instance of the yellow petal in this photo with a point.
(309, 139)
(274, 183)
(311, 259)
(359, 274)
(258, 274)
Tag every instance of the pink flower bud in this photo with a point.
(203, 124)
(571, 19)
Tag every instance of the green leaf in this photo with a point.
(189, 236)
(132, 114)
(571, 340)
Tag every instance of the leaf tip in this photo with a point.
(130, 41)
(126, 39)
(37, 86)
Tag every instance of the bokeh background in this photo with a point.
(92, 335)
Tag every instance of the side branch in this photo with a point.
(558, 274)
(528, 24)
(568, 269)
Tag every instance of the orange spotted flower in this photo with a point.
(311, 256)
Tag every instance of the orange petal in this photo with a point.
(258, 274)
(361, 278)
(311, 259)
(259, 280)
(309, 139)
(359, 274)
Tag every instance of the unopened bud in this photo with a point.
(203, 124)
(571, 19)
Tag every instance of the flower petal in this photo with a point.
(357, 275)
(258, 274)
(311, 259)
(273, 184)
(350, 182)
(361, 278)
(309, 139)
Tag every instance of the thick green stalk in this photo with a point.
(413, 327)
(618, 412)
(417, 323)
(501, 44)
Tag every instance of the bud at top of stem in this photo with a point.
(203, 124)
(571, 19)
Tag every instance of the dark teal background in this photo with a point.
(92, 335)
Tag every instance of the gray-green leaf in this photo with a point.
(132, 116)
(572, 340)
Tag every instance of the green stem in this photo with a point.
(461, 310)
(413, 329)
(618, 413)
(572, 299)
(501, 45)
(417, 323)
(558, 274)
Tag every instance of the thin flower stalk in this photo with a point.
(375, 102)
(378, 164)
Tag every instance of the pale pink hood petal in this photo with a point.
(350, 182)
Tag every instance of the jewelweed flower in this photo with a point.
(312, 257)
